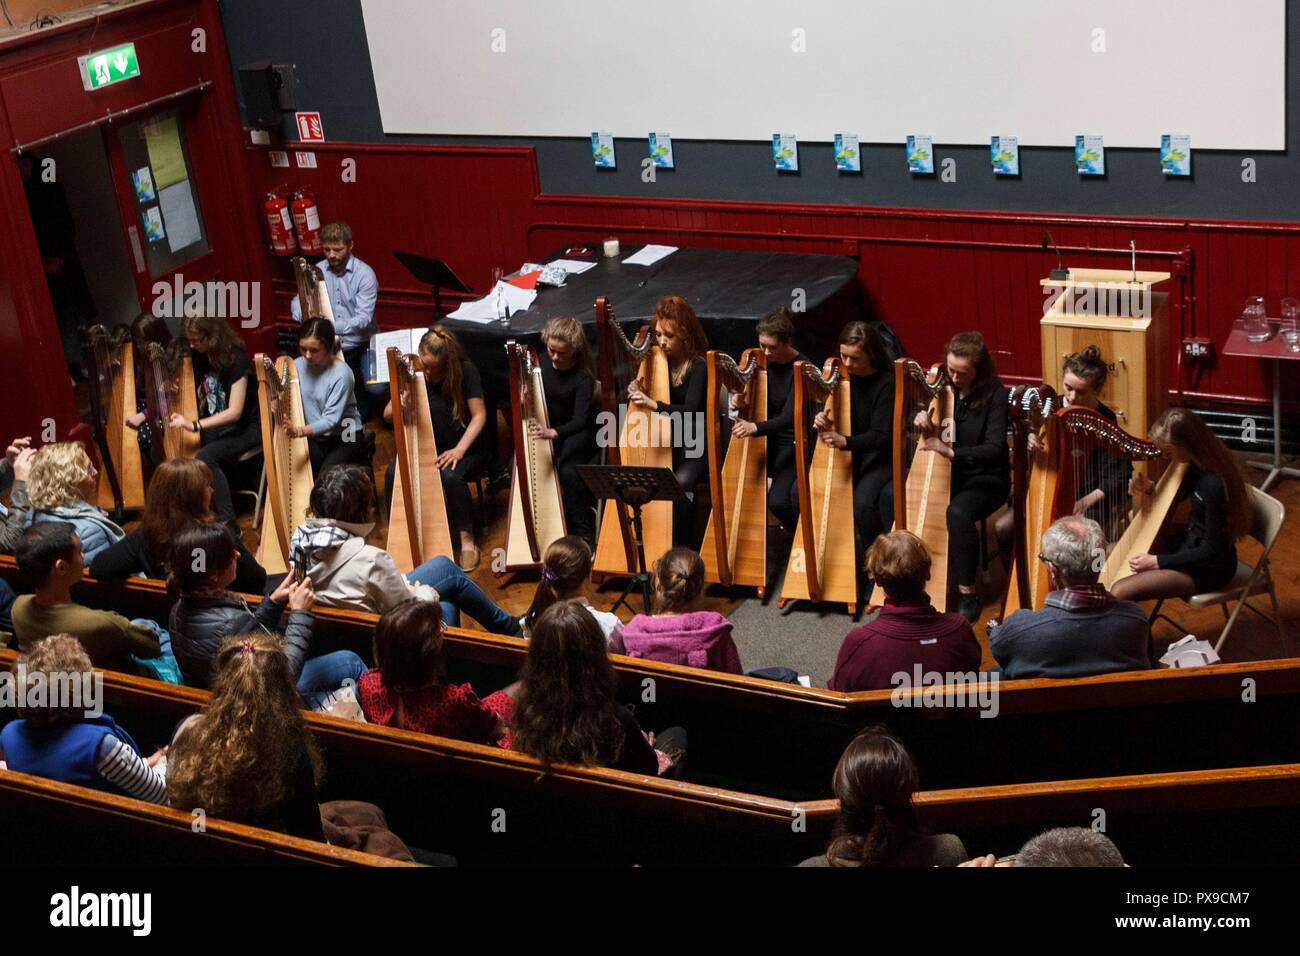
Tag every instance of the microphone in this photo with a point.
(1060, 273)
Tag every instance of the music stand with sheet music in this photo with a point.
(434, 273)
(635, 487)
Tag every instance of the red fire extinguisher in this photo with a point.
(306, 218)
(279, 225)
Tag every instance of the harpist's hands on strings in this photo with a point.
(834, 439)
(177, 420)
(923, 422)
(1096, 496)
(1033, 444)
(1141, 485)
(536, 429)
(450, 458)
(744, 429)
(935, 445)
(738, 401)
(639, 397)
(822, 421)
(1143, 562)
(135, 421)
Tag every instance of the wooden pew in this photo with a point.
(45, 822)
(783, 740)
(1223, 817)
(485, 805)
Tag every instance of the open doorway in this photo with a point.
(75, 215)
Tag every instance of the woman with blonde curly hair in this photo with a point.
(676, 633)
(249, 756)
(62, 483)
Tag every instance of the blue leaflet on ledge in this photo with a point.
(1176, 154)
(661, 150)
(785, 152)
(920, 155)
(602, 150)
(848, 155)
(1004, 151)
(1090, 156)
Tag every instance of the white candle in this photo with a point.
(611, 248)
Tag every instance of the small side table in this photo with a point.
(1274, 350)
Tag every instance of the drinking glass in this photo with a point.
(1290, 325)
(1255, 320)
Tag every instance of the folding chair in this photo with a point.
(1266, 516)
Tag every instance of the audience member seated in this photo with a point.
(69, 739)
(566, 568)
(1082, 629)
(566, 711)
(62, 483)
(408, 687)
(1063, 846)
(877, 826)
(249, 757)
(908, 632)
(207, 613)
(180, 492)
(15, 468)
(675, 633)
(348, 573)
(51, 559)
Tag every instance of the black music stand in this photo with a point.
(634, 486)
(434, 273)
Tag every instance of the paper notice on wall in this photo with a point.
(163, 140)
(182, 218)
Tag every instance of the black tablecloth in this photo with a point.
(729, 289)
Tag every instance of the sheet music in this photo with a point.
(648, 255)
(574, 267)
(408, 340)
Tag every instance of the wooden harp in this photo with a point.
(644, 439)
(1094, 453)
(113, 398)
(823, 563)
(313, 299)
(417, 527)
(171, 389)
(923, 479)
(536, 516)
(735, 541)
(1031, 411)
(288, 460)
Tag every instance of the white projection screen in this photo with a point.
(959, 70)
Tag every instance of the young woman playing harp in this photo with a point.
(536, 515)
(287, 457)
(112, 399)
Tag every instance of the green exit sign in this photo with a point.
(108, 66)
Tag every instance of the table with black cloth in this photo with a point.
(729, 289)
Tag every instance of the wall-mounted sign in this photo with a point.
(310, 129)
(107, 67)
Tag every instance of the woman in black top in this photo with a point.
(459, 415)
(871, 406)
(229, 420)
(776, 338)
(981, 463)
(1204, 557)
(678, 334)
(570, 385)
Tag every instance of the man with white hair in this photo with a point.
(1082, 629)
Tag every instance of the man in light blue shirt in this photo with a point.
(352, 289)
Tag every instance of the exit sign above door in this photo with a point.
(107, 67)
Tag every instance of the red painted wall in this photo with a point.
(41, 94)
(927, 273)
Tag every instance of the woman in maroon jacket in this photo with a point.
(908, 631)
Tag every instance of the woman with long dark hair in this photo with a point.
(179, 494)
(566, 710)
(1204, 557)
(877, 826)
(566, 569)
(981, 462)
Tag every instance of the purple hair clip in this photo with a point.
(549, 575)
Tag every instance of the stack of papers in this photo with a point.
(513, 297)
(649, 255)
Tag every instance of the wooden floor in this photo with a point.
(1252, 638)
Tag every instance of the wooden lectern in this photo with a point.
(1121, 313)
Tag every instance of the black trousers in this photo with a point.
(579, 504)
(783, 496)
(976, 497)
(329, 450)
(219, 451)
(455, 489)
(873, 505)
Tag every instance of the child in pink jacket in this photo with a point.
(675, 634)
